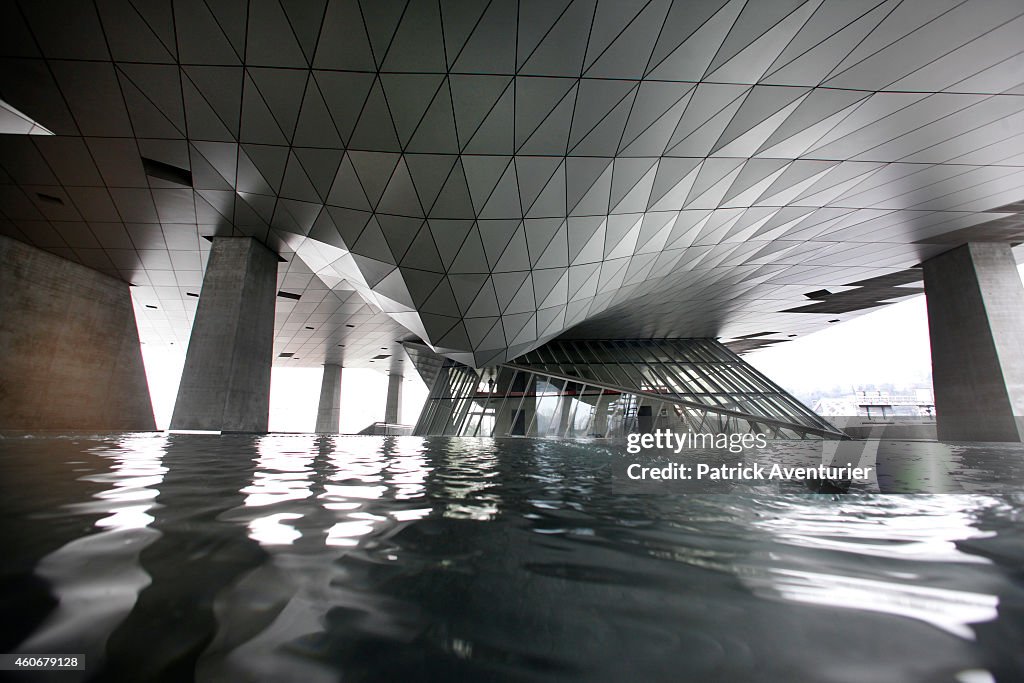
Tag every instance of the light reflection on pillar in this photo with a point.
(366, 474)
(283, 473)
(408, 469)
(92, 603)
(325, 498)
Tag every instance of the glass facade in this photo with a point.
(611, 388)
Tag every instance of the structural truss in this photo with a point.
(610, 388)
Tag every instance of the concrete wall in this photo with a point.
(976, 324)
(225, 384)
(69, 347)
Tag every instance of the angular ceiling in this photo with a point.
(493, 174)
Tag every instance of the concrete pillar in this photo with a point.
(225, 385)
(600, 425)
(565, 408)
(70, 347)
(328, 414)
(976, 323)
(393, 407)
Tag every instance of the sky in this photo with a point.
(885, 346)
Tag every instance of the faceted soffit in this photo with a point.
(492, 175)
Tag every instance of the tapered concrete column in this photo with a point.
(328, 414)
(976, 323)
(393, 407)
(70, 347)
(600, 426)
(565, 408)
(225, 385)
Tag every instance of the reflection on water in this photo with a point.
(314, 558)
(96, 578)
(919, 531)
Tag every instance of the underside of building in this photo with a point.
(506, 186)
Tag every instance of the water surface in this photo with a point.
(305, 558)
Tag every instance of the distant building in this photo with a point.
(912, 402)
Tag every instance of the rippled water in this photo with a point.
(304, 558)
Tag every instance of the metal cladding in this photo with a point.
(491, 175)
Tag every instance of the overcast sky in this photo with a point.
(886, 346)
(889, 345)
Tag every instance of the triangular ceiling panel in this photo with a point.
(375, 129)
(629, 53)
(422, 253)
(343, 43)
(491, 47)
(344, 94)
(400, 196)
(282, 90)
(449, 236)
(418, 44)
(485, 303)
(381, 21)
(562, 48)
(689, 60)
(471, 257)
(346, 189)
(266, 44)
(321, 167)
(429, 173)
(472, 98)
(436, 131)
(408, 97)
(757, 39)
(495, 134)
(374, 170)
